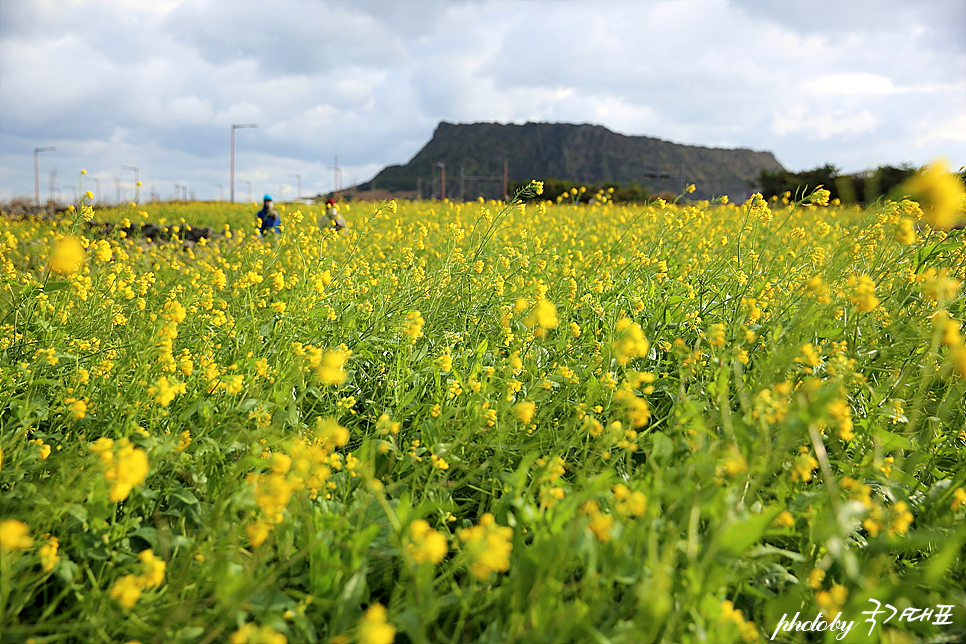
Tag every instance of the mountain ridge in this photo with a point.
(474, 155)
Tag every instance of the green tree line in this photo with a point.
(862, 187)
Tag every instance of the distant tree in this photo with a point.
(862, 187)
(778, 182)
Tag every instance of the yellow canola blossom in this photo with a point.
(864, 296)
(48, 554)
(426, 544)
(940, 193)
(630, 342)
(524, 411)
(487, 546)
(126, 467)
(373, 628)
(330, 370)
(250, 633)
(128, 589)
(14, 535)
(67, 256)
(413, 326)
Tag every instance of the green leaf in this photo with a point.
(185, 496)
(891, 442)
(740, 536)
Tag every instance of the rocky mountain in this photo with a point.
(476, 155)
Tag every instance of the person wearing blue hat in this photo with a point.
(268, 219)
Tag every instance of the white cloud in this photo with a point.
(823, 125)
(848, 83)
(953, 129)
(158, 84)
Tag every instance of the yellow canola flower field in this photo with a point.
(482, 421)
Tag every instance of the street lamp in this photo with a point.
(37, 151)
(233, 128)
(442, 180)
(336, 179)
(221, 192)
(74, 188)
(249, 188)
(137, 180)
(299, 177)
(98, 182)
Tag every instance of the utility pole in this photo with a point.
(137, 180)
(299, 177)
(249, 188)
(336, 179)
(232, 180)
(221, 193)
(98, 182)
(37, 151)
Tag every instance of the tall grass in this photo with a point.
(482, 422)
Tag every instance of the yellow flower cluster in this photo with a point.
(67, 256)
(127, 590)
(250, 633)
(940, 193)
(425, 544)
(330, 368)
(631, 342)
(307, 465)
(413, 326)
(14, 535)
(373, 627)
(122, 463)
(803, 465)
(628, 502)
(599, 522)
(487, 546)
(164, 391)
(749, 633)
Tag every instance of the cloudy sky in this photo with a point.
(158, 84)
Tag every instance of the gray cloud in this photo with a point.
(158, 84)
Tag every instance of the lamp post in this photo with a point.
(299, 177)
(221, 192)
(336, 179)
(37, 151)
(249, 188)
(74, 188)
(98, 182)
(442, 180)
(233, 128)
(137, 180)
